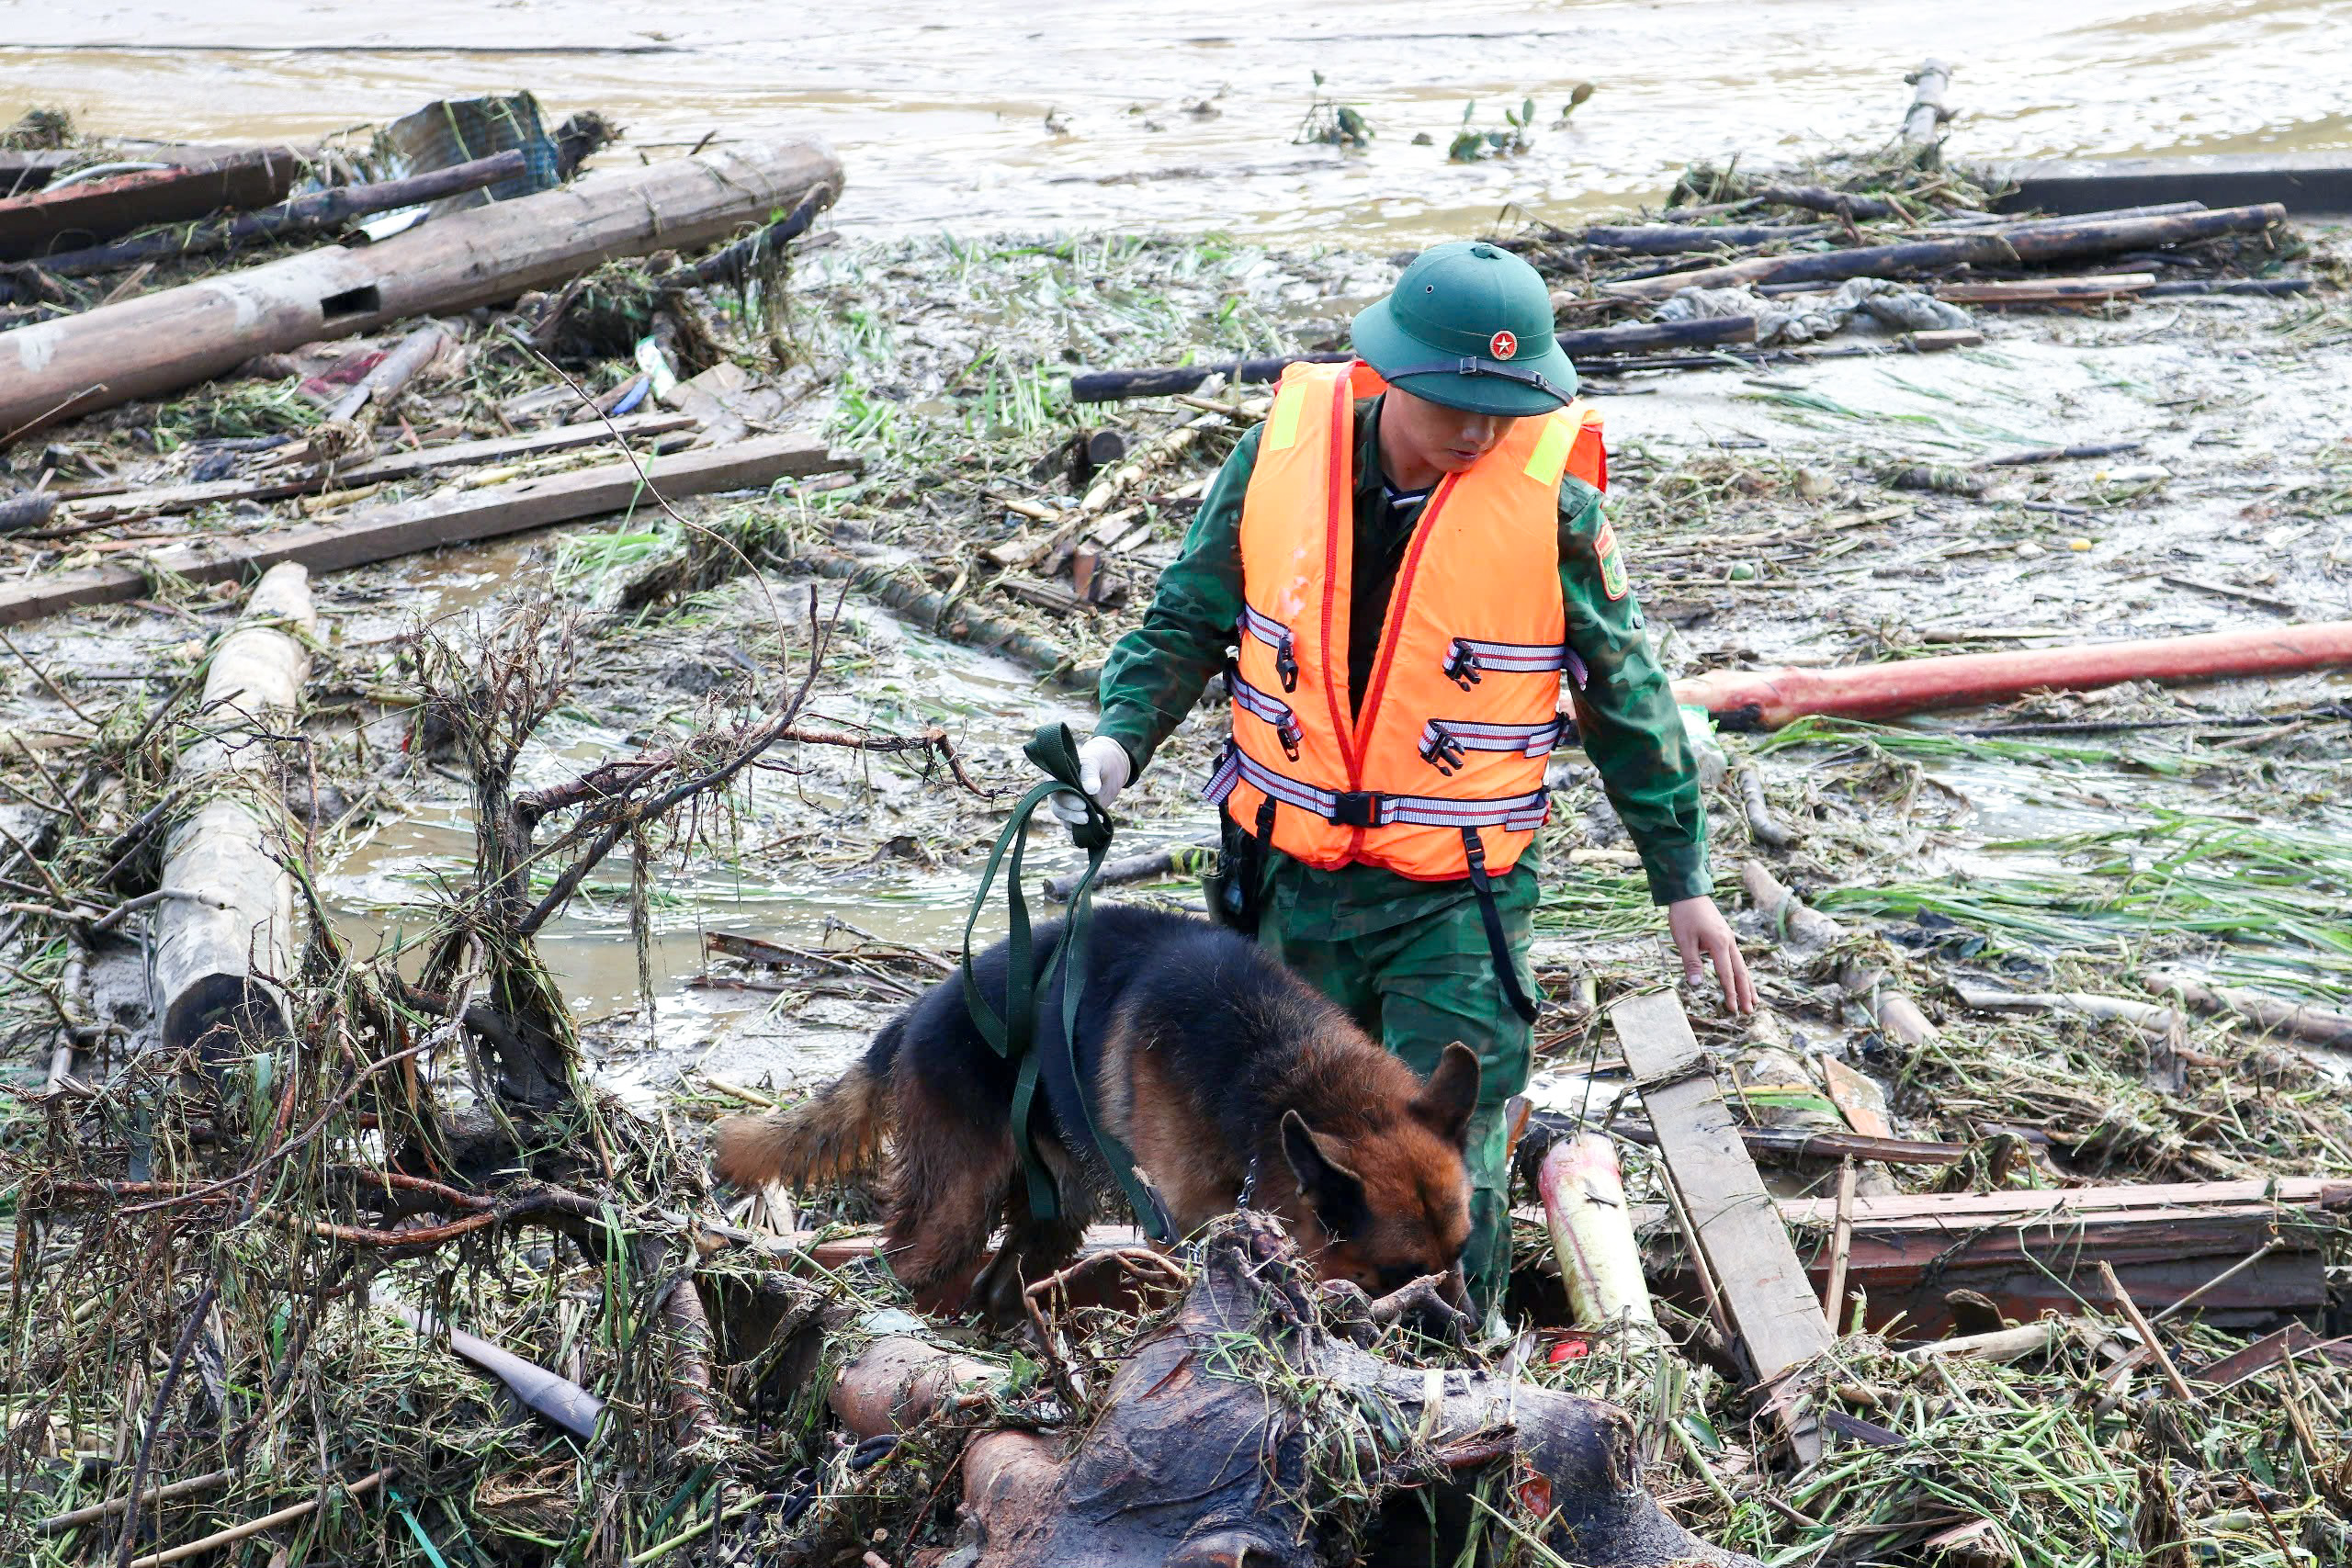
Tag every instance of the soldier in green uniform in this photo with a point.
(1412, 959)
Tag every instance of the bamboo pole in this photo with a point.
(252, 1527)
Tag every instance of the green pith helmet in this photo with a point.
(1469, 325)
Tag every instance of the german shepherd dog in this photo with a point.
(1223, 1072)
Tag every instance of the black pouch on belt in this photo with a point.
(1233, 884)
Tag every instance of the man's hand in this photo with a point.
(1699, 931)
(1103, 769)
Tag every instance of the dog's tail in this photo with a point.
(835, 1135)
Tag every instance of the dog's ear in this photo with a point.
(1447, 1101)
(1330, 1189)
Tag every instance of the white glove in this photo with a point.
(1103, 769)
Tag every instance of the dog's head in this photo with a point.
(1393, 1202)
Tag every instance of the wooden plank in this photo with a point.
(1977, 1208)
(90, 506)
(2300, 182)
(383, 533)
(83, 214)
(2089, 288)
(1739, 1230)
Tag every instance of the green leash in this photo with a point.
(1013, 1035)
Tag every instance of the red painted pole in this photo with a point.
(1767, 699)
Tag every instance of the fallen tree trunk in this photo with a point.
(1767, 699)
(2026, 245)
(1640, 337)
(99, 209)
(387, 531)
(161, 342)
(225, 933)
(304, 215)
(1199, 1454)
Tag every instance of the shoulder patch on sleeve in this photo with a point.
(1612, 560)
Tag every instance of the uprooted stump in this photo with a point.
(1245, 1432)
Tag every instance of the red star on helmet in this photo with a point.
(1502, 346)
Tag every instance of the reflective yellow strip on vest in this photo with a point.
(1551, 456)
(1282, 420)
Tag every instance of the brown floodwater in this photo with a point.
(1055, 116)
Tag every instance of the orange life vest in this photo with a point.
(1439, 772)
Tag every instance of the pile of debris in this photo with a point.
(1956, 1255)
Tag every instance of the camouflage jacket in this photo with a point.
(1626, 717)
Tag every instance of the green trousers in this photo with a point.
(1418, 985)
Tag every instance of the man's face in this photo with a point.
(1446, 439)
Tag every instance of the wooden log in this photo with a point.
(225, 933)
(27, 508)
(1767, 699)
(1672, 239)
(2030, 246)
(1816, 199)
(2147, 1016)
(323, 209)
(952, 619)
(1640, 337)
(2300, 182)
(1592, 1231)
(1193, 1458)
(2275, 1015)
(161, 342)
(74, 216)
(1922, 136)
(1179, 860)
(110, 503)
(386, 532)
(1734, 1224)
(2055, 454)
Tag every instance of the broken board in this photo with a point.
(385, 532)
(1736, 1227)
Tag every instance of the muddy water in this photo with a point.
(1083, 113)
